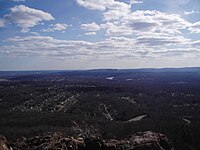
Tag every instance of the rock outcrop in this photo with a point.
(4, 145)
(57, 141)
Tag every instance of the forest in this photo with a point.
(109, 103)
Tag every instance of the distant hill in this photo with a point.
(99, 71)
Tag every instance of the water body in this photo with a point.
(186, 120)
(138, 118)
(110, 78)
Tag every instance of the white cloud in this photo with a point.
(103, 4)
(158, 40)
(113, 29)
(90, 27)
(120, 20)
(90, 4)
(26, 17)
(110, 48)
(60, 27)
(195, 27)
(90, 33)
(56, 27)
(145, 32)
(196, 43)
(45, 46)
(116, 14)
(191, 12)
(140, 22)
(136, 1)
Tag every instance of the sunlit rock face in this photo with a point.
(57, 141)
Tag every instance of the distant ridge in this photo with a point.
(40, 72)
(184, 69)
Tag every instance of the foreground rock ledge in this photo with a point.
(56, 141)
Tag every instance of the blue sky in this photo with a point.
(88, 34)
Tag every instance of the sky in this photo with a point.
(92, 34)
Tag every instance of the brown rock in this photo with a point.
(4, 144)
(57, 141)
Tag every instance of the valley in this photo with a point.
(112, 104)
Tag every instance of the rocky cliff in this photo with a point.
(57, 141)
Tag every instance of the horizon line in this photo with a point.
(89, 69)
